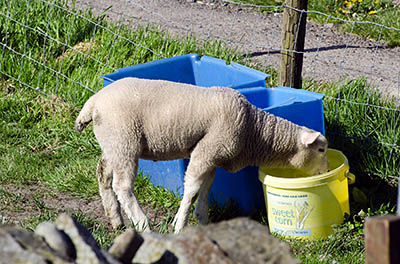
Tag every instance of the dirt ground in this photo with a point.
(24, 202)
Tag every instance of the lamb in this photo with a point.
(214, 127)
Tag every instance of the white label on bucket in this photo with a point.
(291, 232)
(287, 213)
(286, 200)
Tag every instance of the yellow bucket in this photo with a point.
(307, 207)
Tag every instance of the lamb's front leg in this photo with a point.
(124, 175)
(194, 178)
(201, 209)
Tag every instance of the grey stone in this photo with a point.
(87, 249)
(246, 241)
(57, 240)
(239, 240)
(181, 248)
(126, 245)
(236, 241)
(152, 248)
(20, 246)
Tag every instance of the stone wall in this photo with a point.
(66, 241)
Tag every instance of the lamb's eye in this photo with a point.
(321, 150)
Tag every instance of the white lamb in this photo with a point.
(214, 127)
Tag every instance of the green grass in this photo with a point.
(40, 147)
(382, 12)
(345, 245)
(37, 137)
(93, 47)
(355, 110)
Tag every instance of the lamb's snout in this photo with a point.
(325, 166)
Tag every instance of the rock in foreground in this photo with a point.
(66, 241)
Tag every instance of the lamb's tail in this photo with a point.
(85, 116)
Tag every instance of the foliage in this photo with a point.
(358, 9)
(367, 14)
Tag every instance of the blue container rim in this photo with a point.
(194, 57)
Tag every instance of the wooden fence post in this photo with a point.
(293, 35)
(382, 239)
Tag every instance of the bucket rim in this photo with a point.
(306, 182)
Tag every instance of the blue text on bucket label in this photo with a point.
(283, 199)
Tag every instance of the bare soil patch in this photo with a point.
(21, 203)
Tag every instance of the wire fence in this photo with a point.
(66, 57)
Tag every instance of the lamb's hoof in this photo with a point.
(117, 223)
(177, 227)
(201, 217)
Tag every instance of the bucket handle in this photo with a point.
(351, 178)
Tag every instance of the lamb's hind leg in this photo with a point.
(124, 175)
(108, 197)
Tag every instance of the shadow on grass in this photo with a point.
(231, 210)
(371, 189)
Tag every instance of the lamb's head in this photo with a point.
(311, 156)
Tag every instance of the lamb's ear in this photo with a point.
(308, 138)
